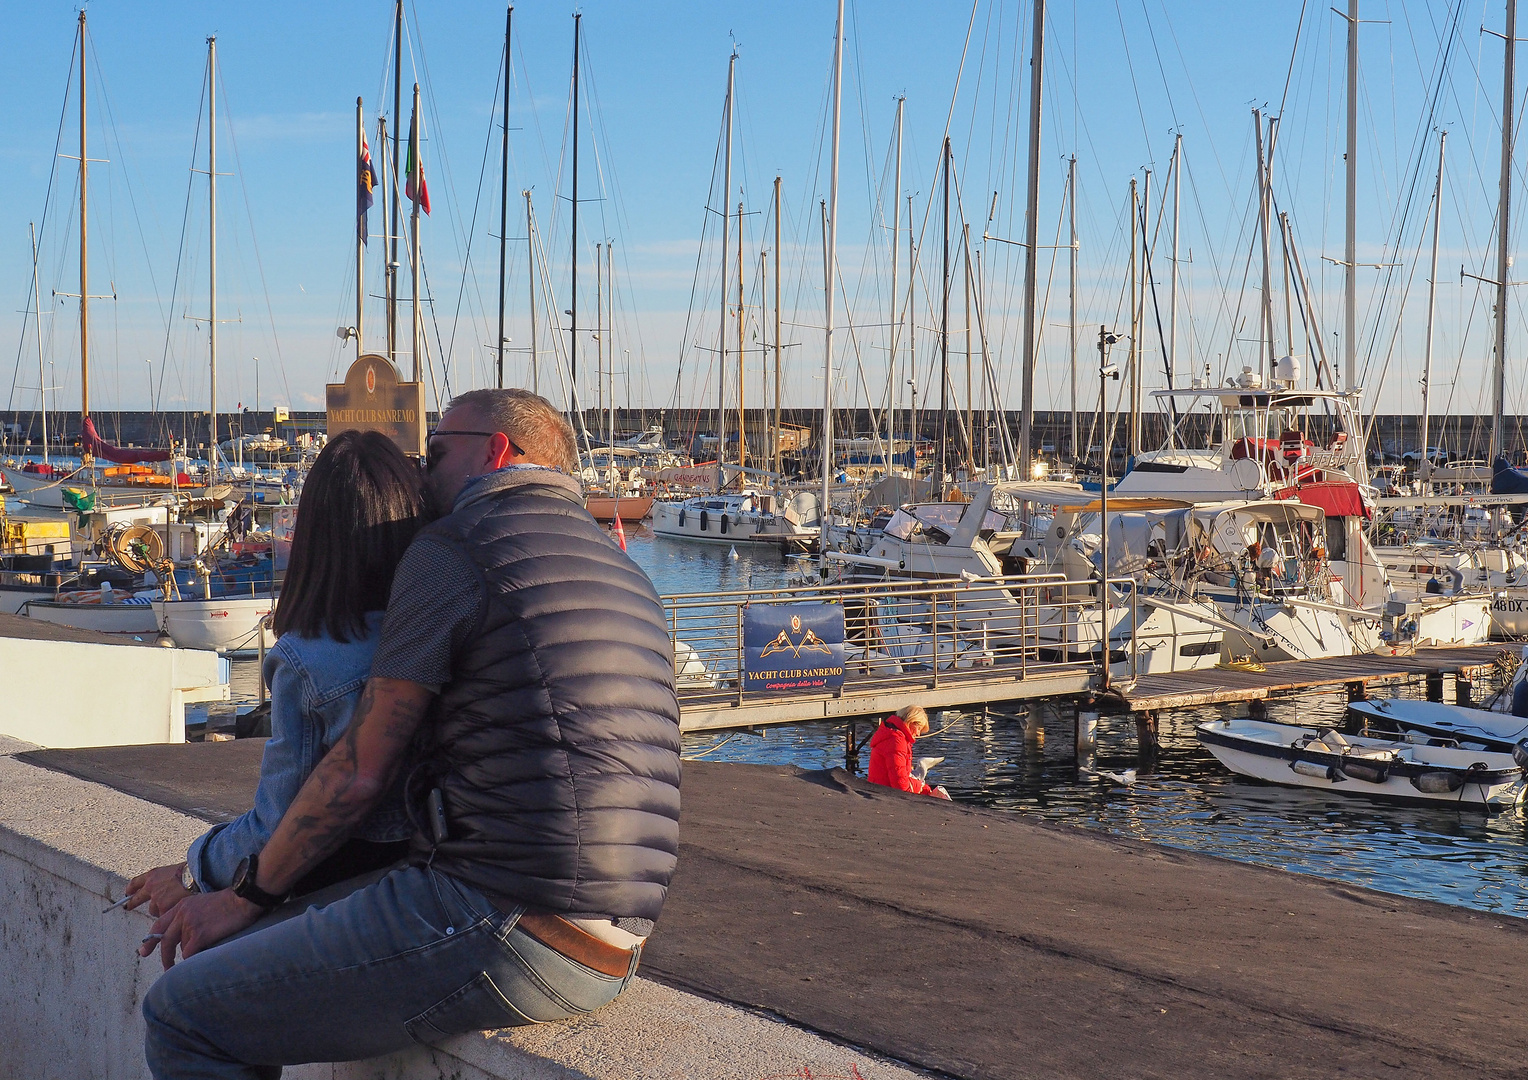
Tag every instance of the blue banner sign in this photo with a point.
(793, 648)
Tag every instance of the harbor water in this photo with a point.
(1181, 797)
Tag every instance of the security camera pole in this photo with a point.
(1106, 371)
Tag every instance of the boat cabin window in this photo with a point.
(993, 522)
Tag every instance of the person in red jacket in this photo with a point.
(891, 752)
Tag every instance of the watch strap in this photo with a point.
(244, 886)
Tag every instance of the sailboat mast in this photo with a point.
(1071, 213)
(212, 250)
(944, 328)
(392, 254)
(742, 425)
(417, 141)
(84, 260)
(573, 308)
(832, 262)
(1350, 242)
(965, 242)
(1172, 287)
(1133, 352)
(599, 339)
(721, 337)
(896, 324)
(360, 240)
(530, 258)
(1424, 468)
(912, 333)
(609, 333)
(778, 259)
(1503, 256)
(504, 191)
(1031, 236)
(42, 380)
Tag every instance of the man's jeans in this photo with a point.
(411, 958)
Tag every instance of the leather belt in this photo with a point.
(561, 936)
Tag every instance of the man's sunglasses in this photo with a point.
(433, 452)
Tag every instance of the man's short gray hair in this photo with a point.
(531, 421)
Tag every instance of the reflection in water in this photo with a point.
(1182, 797)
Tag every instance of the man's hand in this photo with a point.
(199, 922)
(159, 887)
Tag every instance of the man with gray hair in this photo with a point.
(526, 671)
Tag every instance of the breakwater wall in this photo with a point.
(1462, 436)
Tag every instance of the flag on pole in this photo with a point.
(415, 187)
(620, 533)
(366, 179)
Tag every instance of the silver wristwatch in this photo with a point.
(188, 882)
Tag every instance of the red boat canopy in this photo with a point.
(1337, 498)
(98, 446)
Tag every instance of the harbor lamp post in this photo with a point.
(1106, 371)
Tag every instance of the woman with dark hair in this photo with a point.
(362, 503)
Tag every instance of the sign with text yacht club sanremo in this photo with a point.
(793, 648)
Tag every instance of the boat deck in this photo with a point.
(1224, 686)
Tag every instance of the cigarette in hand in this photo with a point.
(152, 937)
(118, 904)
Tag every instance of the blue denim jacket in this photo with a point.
(315, 684)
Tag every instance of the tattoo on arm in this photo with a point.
(347, 783)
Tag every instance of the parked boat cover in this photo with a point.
(1505, 480)
(98, 446)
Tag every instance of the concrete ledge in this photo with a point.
(71, 986)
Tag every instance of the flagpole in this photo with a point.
(416, 176)
(360, 224)
(392, 256)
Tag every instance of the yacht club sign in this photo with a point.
(793, 647)
(372, 399)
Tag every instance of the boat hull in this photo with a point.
(222, 624)
(1495, 731)
(134, 620)
(1422, 774)
(630, 507)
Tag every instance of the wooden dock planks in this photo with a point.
(1188, 689)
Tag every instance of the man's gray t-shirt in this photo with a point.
(435, 605)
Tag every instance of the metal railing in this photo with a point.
(909, 633)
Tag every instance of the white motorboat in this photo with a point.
(1410, 769)
(1484, 729)
(105, 611)
(744, 517)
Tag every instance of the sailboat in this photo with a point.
(126, 478)
(231, 612)
(745, 515)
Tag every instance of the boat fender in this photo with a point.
(681, 519)
(705, 520)
(1314, 768)
(1368, 772)
(1437, 782)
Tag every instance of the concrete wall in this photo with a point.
(72, 986)
(68, 694)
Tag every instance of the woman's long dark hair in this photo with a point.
(362, 503)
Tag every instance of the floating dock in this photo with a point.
(1223, 686)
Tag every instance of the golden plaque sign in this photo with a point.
(372, 399)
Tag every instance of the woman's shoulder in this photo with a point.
(326, 662)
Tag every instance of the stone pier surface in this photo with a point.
(819, 926)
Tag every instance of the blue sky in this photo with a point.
(1122, 77)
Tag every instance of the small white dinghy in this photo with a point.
(1472, 729)
(1406, 768)
(1499, 728)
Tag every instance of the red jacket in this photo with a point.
(891, 757)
